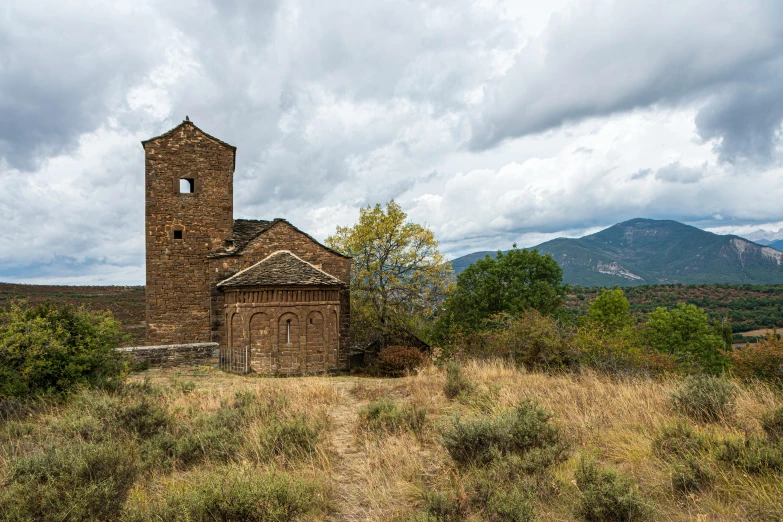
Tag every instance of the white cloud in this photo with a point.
(492, 121)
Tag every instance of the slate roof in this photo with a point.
(246, 230)
(281, 268)
(188, 122)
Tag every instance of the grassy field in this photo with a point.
(353, 448)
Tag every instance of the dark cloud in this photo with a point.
(601, 58)
(677, 173)
(745, 118)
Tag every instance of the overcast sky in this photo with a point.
(492, 122)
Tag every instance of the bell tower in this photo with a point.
(189, 212)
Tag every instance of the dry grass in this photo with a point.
(385, 478)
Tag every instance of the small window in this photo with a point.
(177, 234)
(288, 331)
(187, 186)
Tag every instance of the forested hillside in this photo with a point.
(748, 307)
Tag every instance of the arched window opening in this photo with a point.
(187, 185)
(288, 331)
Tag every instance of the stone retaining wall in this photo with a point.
(172, 355)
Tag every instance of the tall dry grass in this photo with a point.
(387, 474)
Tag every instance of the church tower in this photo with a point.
(189, 180)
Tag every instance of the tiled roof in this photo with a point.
(281, 268)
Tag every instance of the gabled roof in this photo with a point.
(188, 122)
(246, 230)
(282, 268)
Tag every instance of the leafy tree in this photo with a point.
(398, 276)
(611, 310)
(51, 349)
(511, 283)
(685, 333)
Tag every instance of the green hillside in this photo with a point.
(646, 251)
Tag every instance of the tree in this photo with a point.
(685, 333)
(611, 310)
(511, 283)
(398, 275)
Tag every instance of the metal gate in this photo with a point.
(235, 356)
(235, 359)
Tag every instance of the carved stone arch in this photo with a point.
(263, 354)
(315, 352)
(288, 345)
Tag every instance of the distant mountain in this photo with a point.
(647, 251)
(777, 244)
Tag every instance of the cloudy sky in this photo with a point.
(492, 122)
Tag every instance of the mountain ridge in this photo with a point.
(647, 251)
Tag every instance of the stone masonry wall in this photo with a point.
(283, 236)
(178, 279)
(283, 335)
(172, 355)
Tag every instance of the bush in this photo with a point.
(525, 431)
(752, 455)
(232, 494)
(680, 441)
(51, 349)
(291, 438)
(762, 360)
(607, 496)
(706, 398)
(691, 476)
(80, 481)
(530, 339)
(385, 416)
(397, 361)
(772, 424)
(619, 352)
(456, 383)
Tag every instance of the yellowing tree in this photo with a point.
(398, 275)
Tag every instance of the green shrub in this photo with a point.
(456, 383)
(752, 455)
(157, 452)
(444, 507)
(397, 361)
(143, 419)
(762, 360)
(51, 349)
(510, 505)
(679, 441)
(385, 416)
(525, 431)
(619, 352)
(80, 481)
(691, 476)
(233, 495)
(292, 438)
(607, 496)
(772, 423)
(216, 444)
(705, 398)
(529, 338)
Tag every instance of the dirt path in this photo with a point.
(350, 469)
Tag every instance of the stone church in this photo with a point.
(274, 299)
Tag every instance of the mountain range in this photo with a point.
(647, 251)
